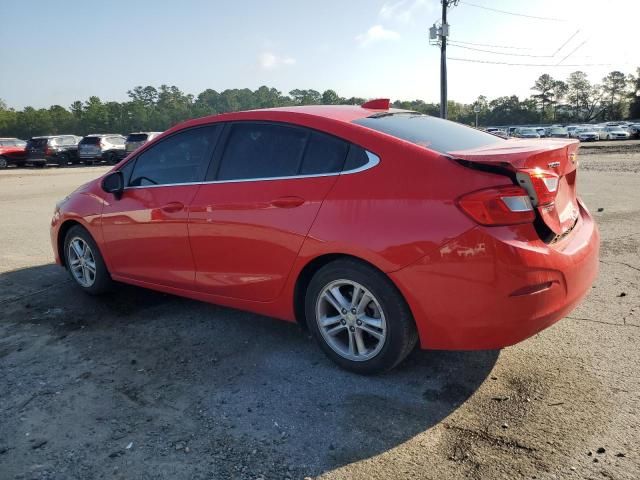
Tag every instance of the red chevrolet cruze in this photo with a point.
(378, 228)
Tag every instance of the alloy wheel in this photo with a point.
(351, 320)
(82, 262)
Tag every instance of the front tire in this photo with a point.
(85, 263)
(358, 317)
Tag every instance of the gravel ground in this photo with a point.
(141, 385)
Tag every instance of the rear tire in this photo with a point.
(84, 262)
(368, 334)
(3, 163)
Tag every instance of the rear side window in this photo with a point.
(324, 154)
(116, 140)
(259, 150)
(181, 158)
(434, 133)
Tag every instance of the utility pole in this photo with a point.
(441, 33)
(443, 60)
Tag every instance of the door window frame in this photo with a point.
(217, 151)
(214, 166)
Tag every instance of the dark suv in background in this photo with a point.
(108, 147)
(59, 149)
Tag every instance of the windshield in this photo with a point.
(430, 132)
(90, 141)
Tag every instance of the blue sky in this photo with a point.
(54, 52)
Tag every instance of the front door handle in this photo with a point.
(287, 202)
(172, 207)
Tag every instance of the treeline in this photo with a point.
(574, 99)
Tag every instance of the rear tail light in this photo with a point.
(542, 185)
(508, 205)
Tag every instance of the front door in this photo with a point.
(145, 232)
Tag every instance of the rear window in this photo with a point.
(90, 141)
(137, 137)
(431, 132)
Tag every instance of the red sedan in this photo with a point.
(378, 228)
(12, 151)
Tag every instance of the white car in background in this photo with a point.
(587, 134)
(614, 133)
(571, 130)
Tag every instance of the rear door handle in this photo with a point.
(287, 202)
(172, 207)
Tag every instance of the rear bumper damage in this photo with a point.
(496, 286)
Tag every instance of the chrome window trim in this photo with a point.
(372, 162)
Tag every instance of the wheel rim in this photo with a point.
(351, 320)
(82, 263)
(3, 162)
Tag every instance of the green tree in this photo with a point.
(634, 95)
(545, 85)
(614, 89)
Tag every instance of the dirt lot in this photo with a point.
(141, 385)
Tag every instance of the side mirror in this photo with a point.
(114, 183)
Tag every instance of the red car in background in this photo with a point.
(378, 228)
(13, 151)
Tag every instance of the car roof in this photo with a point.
(310, 115)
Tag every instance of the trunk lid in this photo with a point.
(532, 161)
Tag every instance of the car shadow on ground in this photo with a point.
(248, 394)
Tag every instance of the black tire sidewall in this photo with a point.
(401, 332)
(103, 282)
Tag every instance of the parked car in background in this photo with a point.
(108, 147)
(571, 130)
(587, 134)
(270, 211)
(541, 132)
(557, 132)
(137, 139)
(634, 130)
(56, 149)
(13, 151)
(614, 132)
(526, 132)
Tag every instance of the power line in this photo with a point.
(565, 43)
(490, 45)
(498, 53)
(491, 62)
(551, 19)
(572, 52)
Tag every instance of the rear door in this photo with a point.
(145, 231)
(247, 226)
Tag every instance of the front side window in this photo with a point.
(181, 158)
(261, 150)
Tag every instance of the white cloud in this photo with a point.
(377, 33)
(402, 10)
(269, 60)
